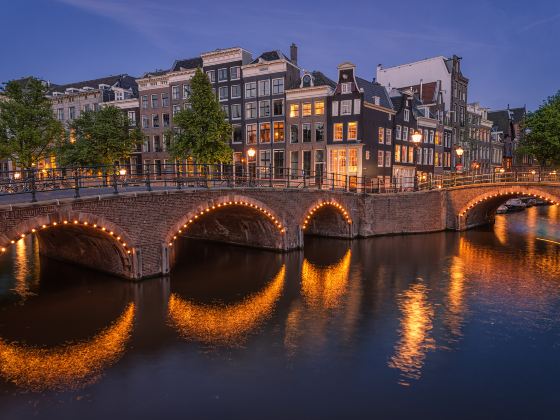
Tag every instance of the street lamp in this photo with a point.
(251, 153)
(459, 152)
(416, 140)
(122, 172)
(17, 175)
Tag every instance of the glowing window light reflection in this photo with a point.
(224, 324)
(415, 341)
(456, 305)
(67, 367)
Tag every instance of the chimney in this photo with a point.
(293, 53)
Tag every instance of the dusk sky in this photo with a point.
(509, 48)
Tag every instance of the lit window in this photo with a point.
(388, 134)
(278, 131)
(264, 132)
(251, 133)
(338, 131)
(397, 152)
(352, 130)
(306, 109)
(380, 158)
(294, 110)
(319, 107)
(381, 135)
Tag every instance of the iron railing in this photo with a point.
(74, 182)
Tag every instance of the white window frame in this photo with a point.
(226, 73)
(281, 86)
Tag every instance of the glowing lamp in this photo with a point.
(459, 151)
(251, 152)
(416, 137)
(122, 172)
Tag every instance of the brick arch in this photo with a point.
(58, 229)
(330, 227)
(491, 199)
(206, 208)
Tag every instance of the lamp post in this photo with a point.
(459, 152)
(251, 153)
(416, 140)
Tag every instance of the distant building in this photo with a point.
(507, 128)
(481, 152)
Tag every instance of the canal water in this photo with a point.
(440, 326)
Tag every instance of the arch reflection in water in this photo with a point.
(227, 324)
(324, 287)
(415, 332)
(71, 366)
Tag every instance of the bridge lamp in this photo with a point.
(251, 152)
(502, 170)
(17, 175)
(122, 172)
(416, 137)
(533, 172)
(459, 151)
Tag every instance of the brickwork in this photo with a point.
(132, 234)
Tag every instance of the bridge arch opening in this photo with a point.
(482, 209)
(328, 218)
(81, 240)
(240, 222)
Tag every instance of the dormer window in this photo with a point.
(306, 81)
(346, 87)
(406, 115)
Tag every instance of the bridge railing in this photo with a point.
(68, 182)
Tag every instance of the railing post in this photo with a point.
(33, 186)
(178, 174)
(346, 184)
(148, 183)
(115, 182)
(76, 184)
(332, 174)
(270, 175)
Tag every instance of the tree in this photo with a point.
(542, 137)
(100, 137)
(204, 131)
(28, 128)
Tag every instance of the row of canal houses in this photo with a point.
(284, 117)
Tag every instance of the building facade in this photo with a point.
(479, 155)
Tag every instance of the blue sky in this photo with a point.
(510, 48)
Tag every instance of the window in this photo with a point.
(237, 135)
(251, 110)
(397, 152)
(294, 160)
(431, 136)
(277, 86)
(278, 107)
(225, 108)
(147, 145)
(352, 130)
(176, 108)
(264, 87)
(306, 111)
(251, 133)
(186, 91)
(235, 91)
(406, 115)
(306, 132)
(145, 102)
(381, 135)
(388, 135)
(404, 154)
(431, 161)
(222, 75)
(165, 99)
(425, 138)
(235, 73)
(338, 131)
(294, 133)
(357, 106)
(264, 157)
(157, 144)
(319, 131)
(319, 107)
(307, 162)
(131, 118)
(411, 154)
(278, 163)
(264, 132)
(71, 112)
(405, 134)
(145, 121)
(155, 120)
(425, 156)
(223, 93)
(398, 133)
(380, 158)
(346, 87)
(251, 90)
(175, 94)
(294, 110)
(345, 107)
(387, 159)
(236, 111)
(211, 76)
(335, 108)
(154, 101)
(166, 120)
(279, 131)
(352, 160)
(264, 109)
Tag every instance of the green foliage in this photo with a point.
(542, 139)
(204, 131)
(99, 137)
(28, 128)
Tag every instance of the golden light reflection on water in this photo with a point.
(70, 366)
(26, 266)
(456, 305)
(415, 341)
(324, 287)
(225, 324)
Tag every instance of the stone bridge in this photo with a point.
(133, 234)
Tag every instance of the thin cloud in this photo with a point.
(540, 22)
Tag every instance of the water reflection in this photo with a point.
(456, 305)
(26, 263)
(69, 366)
(415, 332)
(224, 324)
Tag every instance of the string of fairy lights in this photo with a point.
(319, 206)
(514, 193)
(74, 222)
(215, 207)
